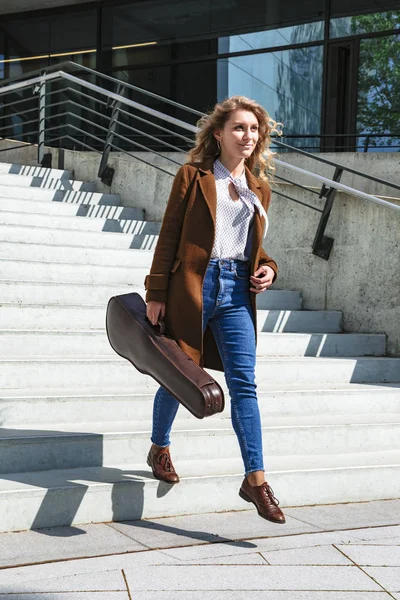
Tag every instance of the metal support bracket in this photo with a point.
(322, 244)
(105, 172)
(42, 119)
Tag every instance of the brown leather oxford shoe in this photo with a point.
(264, 500)
(161, 465)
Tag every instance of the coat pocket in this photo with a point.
(175, 264)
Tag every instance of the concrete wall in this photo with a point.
(362, 276)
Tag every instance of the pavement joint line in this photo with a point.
(111, 526)
(374, 545)
(262, 566)
(240, 564)
(126, 583)
(263, 590)
(263, 557)
(205, 543)
(303, 521)
(16, 594)
(365, 572)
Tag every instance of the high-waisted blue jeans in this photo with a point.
(227, 309)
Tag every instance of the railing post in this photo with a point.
(42, 120)
(322, 244)
(106, 173)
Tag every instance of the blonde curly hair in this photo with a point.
(261, 160)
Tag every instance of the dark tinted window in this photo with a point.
(73, 31)
(27, 37)
(343, 8)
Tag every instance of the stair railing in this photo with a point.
(61, 109)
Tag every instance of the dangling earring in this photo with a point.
(218, 144)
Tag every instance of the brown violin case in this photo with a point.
(153, 351)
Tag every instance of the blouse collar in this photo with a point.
(221, 172)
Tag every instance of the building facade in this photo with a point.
(329, 70)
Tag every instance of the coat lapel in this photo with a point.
(208, 187)
(259, 222)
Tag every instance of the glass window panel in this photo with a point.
(2, 55)
(197, 49)
(31, 39)
(287, 83)
(86, 59)
(378, 108)
(193, 85)
(16, 67)
(344, 8)
(27, 37)
(73, 31)
(241, 16)
(141, 55)
(367, 23)
(17, 114)
(157, 80)
(196, 87)
(163, 53)
(286, 36)
(155, 20)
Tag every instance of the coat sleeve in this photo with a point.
(264, 259)
(156, 282)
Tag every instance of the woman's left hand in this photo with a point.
(262, 279)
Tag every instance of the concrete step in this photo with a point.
(15, 343)
(90, 293)
(70, 223)
(39, 293)
(48, 253)
(109, 373)
(44, 182)
(283, 300)
(127, 492)
(97, 444)
(34, 171)
(26, 270)
(299, 321)
(72, 196)
(64, 317)
(47, 406)
(108, 233)
(93, 210)
(279, 300)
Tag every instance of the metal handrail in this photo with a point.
(362, 141)
(334, 164)
(339, 186)
(99, 90)
(132, 116)
(192, 128)
(160, 141)
(322, 244)
(327, 135)
(74, 66)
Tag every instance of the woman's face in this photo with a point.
(240, 134)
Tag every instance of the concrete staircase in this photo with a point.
(76, 418)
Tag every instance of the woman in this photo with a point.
(208, 267)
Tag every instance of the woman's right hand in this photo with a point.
(155, 311)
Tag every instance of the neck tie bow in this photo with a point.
(249, 198)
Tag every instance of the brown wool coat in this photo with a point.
(183, 252)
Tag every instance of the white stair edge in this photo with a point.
(101, 494)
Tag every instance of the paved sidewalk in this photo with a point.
(331, 552)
